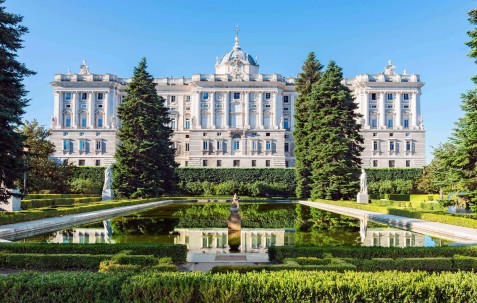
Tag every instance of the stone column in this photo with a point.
(195, 110)
(91, 102)
(382, 111)
(246, 111)
(292, 112)
(106, 109)
(365, 110)
(74, 110)
(227, 110)
(58, 110)
(397, 111)
(277, 111)
(414, 113)
(181, 110)
(212, 110)
(260, 111)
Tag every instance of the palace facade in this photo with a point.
(235, 117)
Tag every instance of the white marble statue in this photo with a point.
(363, 182)
(108, 178)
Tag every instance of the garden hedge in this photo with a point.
(274, 287)
(177, 252)
(38, 203)
(380, 174)
(277, 254)
(56, 196)
(51, 262)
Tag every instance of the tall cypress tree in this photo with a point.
(334, 143)
(304, 83)
(144, 159)
(12, 98)
(464, 160)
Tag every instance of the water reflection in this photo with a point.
(217, 240)
(385, 237)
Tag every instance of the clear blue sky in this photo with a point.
(180, 38)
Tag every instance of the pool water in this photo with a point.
(203, 228)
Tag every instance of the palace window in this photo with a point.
(83, 105)
(99, 145)
(374, 123)
(405, 106)
(204, 162)
(373, 96)
(67, 96)
(97, 162)
(83, 121)
(268, 145)
(287, 147)
(236, 145)
(99, 122)
(285, 99)
(219, 163)
(392, 145)
(405, 96)
(205, 145)
(81, 162)
(267, 163)
(82, 145)
(267, 96)
(187, 124)
(375, 163)
(173, 98)
(205, 96)
(187, 98)
(68, 121)
(390, 96)
(220, 144)
(406, 123)
(286, 124)
(392, 163)
(67, 145)
(408, 163)
(254, 163)
(100, 96)
(173, 123)
(375, 145)
(254, 145)
(236, 96)
(408, 145)
(390, 122)
(84, 96)
(236, 163)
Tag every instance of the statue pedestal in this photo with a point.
(14, 203)
(107, 195)
(362, 198)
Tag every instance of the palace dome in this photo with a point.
(238, 53)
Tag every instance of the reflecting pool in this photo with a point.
(203, 228)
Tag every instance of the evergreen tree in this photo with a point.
(43, 173)
(304, 83)
(144, 159)
(334, 142)
(12, 99)
(464, 160)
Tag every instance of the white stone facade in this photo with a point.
(392, 125)
(236, 117)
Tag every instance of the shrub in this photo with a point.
(178, 253)
(50, 262)
(85, 186)
(277, 254)
(114, 266)
(38, 203)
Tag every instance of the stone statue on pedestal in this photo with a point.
(108, 179)
(363, 196)
(235, 225)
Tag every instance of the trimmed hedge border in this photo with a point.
(38, 203)
(416, 214)
(43, 213)
(277, 254)
(177, 252)
(51, 262)
(274, 287)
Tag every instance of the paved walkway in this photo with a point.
(31, 228)
(445, 231)
(205, 262)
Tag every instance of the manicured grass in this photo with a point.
(429, 215)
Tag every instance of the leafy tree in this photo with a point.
(463, 162)
(12, 99)
(43, 173)
(304, 83)
(335, 138)
(144, 159)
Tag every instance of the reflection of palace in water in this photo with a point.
(216, 239)
(84, 235)
(392, 238)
